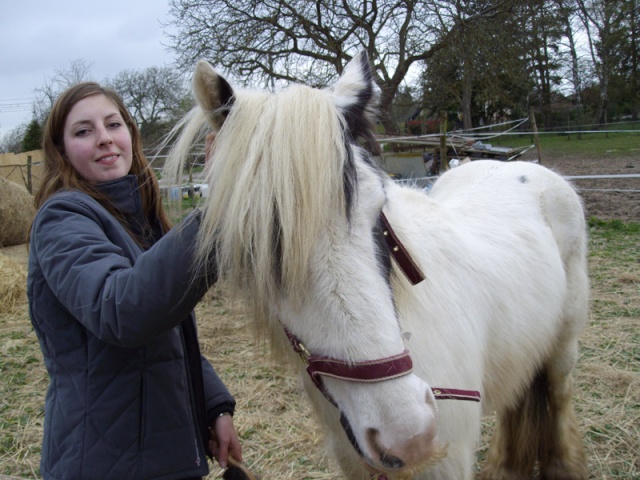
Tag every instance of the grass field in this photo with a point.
(281, 439)
(600, 144)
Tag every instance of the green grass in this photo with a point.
(588, 145)
(273, 419)
(616, 240)
(614, 254)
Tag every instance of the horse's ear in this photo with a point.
(356, 92)
(213, 93)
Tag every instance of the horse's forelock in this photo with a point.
(280, 157)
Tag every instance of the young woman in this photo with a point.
(111, 292)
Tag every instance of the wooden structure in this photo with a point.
(25, 168)
(413, 157)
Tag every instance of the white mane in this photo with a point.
(278, 157)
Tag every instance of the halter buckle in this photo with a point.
(298, 346)
(303, 352)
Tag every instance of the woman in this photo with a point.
(111, 295)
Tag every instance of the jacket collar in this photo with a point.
(123, 193)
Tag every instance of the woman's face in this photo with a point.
(97, 142)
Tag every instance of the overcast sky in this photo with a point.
(40, 37)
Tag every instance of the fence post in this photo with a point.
(536, 138)
(29, 183)
(444, 164)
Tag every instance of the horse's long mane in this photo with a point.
(276, 177)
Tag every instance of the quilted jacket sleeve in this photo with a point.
(218, 400)
(122, 301)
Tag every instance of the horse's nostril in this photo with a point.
(387, 460)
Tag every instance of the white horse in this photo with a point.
(296, 223)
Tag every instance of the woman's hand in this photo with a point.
(208, 145)
(224, 441)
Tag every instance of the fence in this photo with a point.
(25, 168)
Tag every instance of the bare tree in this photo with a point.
(12, 140)
(300, 40)
(544, 33)
(482, 74)
(633, 9)
(154, 97)
(567, 14)
(78, 71)
(605, 17)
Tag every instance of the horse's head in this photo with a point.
(293, 219)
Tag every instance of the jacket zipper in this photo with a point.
(192, 401)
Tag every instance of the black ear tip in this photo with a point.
(363, 58)
(213, 93)
(226, 92)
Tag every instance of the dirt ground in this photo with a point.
(606, 199)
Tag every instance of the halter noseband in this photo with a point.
(370, 371)
(367, 372)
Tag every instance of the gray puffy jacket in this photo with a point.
(130, 396)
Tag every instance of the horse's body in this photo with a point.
(502, 246)
(295, 217)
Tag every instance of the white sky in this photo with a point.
(40, 37)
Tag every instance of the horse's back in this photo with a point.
(519, 192)
(492, 181)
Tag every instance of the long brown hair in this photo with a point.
(59, 174)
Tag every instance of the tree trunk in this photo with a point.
(635, 71)
(387, 95)
(575, 69)
(467, 90)
(603, 104)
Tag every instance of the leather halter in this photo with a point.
(367, 372)
(400, 253)
(384, 368)
(319, 366)
(370, 371)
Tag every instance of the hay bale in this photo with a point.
(16, 213)
(13, 284)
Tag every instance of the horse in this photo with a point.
(408, 314)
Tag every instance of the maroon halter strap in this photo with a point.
(368, 371)
(456, 394)
(400, 253)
